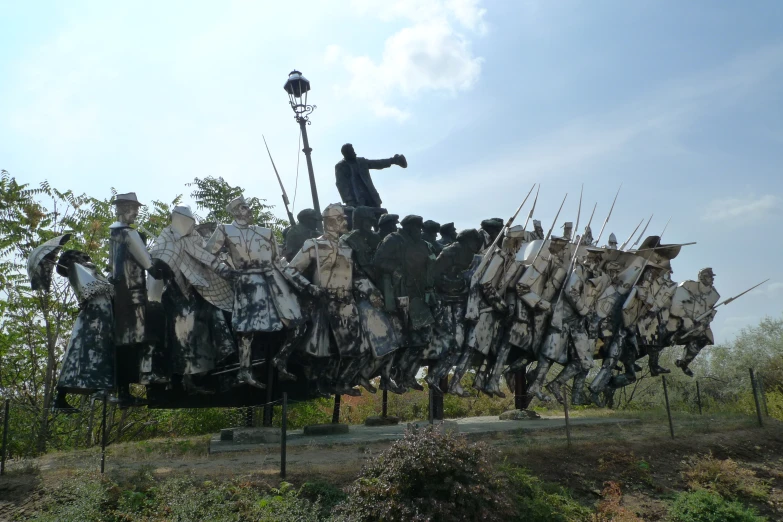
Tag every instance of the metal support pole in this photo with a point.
(307, 150)
(431, 416)
(270, 377)
(567, 418)
(668, 410)
(756, 397)
(283, 434)
(520, 390)
(443, 385)
(103, 435)
(385, 404)
(4, 450)
(336, 411)
(698, 396)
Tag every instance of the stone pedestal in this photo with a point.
(326, 429)
(378, 420)
(250, 435)
(519, 415)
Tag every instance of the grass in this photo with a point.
(726, 477)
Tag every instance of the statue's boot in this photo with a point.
(497, 369)
(245, 375)
(689, 354)
(570, 371)
(61, 404)
(409, 366)
(655, 368)
(280, 361)
(619, 381)
(578, 393)
(455, 387)
(601, 381)
(540, 375)
(443, 366)
(192, 388)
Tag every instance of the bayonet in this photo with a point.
(549, 234)
(590, 221)
(579, 212)
(610, 215)
(285, 196)
(632, 233)
(643, 231)
(530, 215)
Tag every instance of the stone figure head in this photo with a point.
(513, 239)
(612, 241)
(613, 269)
(593, 258)
(448, 229)
(69, 257)
(411, 226)
(492, 226)
(587, 238)
(557, 245)
(335, 222)
(471, 238)
(650, 273)
(706, 276)
(182, 220)
(538, 228)
(430, 228)
(308, 218)
(348, 153)
(568, 229)
(126, 207)
(387, 224)
(363, 219)
(240, 210)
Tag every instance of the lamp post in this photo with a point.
(297, 87)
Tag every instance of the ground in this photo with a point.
(640, 457)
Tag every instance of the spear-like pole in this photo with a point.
(579, 212)
(642, 232)
(280, 181)
(632, 233)
(530, 214)
(597, 241)
(548, 234)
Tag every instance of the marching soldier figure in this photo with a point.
(448, 234)
(387, 224)
(429, 234)
(691, 315)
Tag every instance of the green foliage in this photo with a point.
(80, 499)
(537, 501)
(325, 493)
(706, 506)
(428, 476)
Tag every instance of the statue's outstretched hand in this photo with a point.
(399, 159)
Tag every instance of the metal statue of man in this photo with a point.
(490, 228)
(691, 314)
(387, 224)
(429, 234)
(448, 234)
(296, 235)
(128, 263)
(263, 302)
(612, 244)
(353, 178)
(568, 229)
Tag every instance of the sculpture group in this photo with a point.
(348, 297)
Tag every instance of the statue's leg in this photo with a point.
(537, 382)
(601, 381)
(690, 352)
(245, 375)
(493, 385)
(578, 392)
(571, 370)
(455, 388)
(280, 360)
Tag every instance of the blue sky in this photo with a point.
(679, 101)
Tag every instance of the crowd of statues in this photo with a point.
(349, 296)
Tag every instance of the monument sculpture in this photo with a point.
(353, 178)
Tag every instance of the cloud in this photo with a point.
(431, 54)
(740, 210)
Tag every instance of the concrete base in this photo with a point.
(326, 429)
(377, 420)
(444, 426)
(250, 435)
(519, 415)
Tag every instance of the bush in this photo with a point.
(537, 501)
(706, 506)
(725, 477)
(428, 476)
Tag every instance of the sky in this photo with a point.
(680, 102)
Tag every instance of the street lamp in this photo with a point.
(297, 87)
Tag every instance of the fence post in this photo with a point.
(567, 419)
(283, 434)
(385, 404)
(103, 435)
(698, 396)
(270, 377)
(760, 380)
(756, 396)
(5, 435)
(336, 411)
(668, 409)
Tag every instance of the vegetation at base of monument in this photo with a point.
(706, 506)
(726, 477)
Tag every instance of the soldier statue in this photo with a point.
(353, 177)
(387, 224)
(490, 228)
(612, 244)
(128, 263)
(263, 302)
(538, 230)
(405, 261)
(197, 336)
(651, 326)
(691, 314)
(568, 229)
(587, 238)
(429, 234)
(296, 235)
(452, 282)
(448, 234)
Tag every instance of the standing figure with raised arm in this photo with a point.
(263, 302)
(353, 178)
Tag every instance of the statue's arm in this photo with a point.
(216, 240)
(138, 249)
(378, 164)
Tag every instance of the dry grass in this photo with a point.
(610, 507)
(725, 477)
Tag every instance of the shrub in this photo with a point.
(725, 477)
(326, 494)
(706, 506)
(537, 501)
(428, 476)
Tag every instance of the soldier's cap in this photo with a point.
(431, 226)
(234, 204)
(469, 234)
(707, 270)
(412, 220)
(568, 224)
(129, 197)
(612, 238)
(360, 213)
(183, 210)
(613, 265)
(536, 222)
(595, 251)
(557, 240)
(449, 227)
(492, 223)
(388, 218)
(68, 257)
(515, 232)
(333, 210)
(308, 213)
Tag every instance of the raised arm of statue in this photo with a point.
(379, 164)
(216, 240)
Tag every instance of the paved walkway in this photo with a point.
(361, 434)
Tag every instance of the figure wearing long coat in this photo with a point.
(354, 181)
